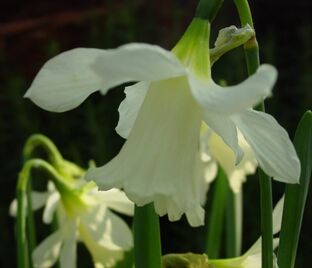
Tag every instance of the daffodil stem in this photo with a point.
(296, 195)
(147, 245)
(30, 223)
(208, 9)
(266, 219)
(37, 141)
(216, 217)
(24, 245)
(233, 224)
(251, 49)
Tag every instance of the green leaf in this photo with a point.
(296, 195)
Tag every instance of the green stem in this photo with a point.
(23, 245)
(217, 215)
(30, 223)
(266, 219)
(233, 224)
(230, 227)
(39, 140)
(147, 245)
(252, 59)
(244, 12)
(296, 195)
(208, 9)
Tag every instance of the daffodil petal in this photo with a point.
(116, 200)
(48, 251)
(50, 207)
(233, 99)
(37, 202)
(278, 215)
(66, 80)
(102, 256)
(137, 62)
(195, 214)
(130, 106)
(107, 229)
(172, 147)
(68, 257)
(270, 144)
(224, 127)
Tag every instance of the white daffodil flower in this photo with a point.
(214, 150)
(83, 215)
(162, 114)
(252, 257)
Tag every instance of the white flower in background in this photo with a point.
(83, 215)
(162, 114)
(252, 257)
(214, 150)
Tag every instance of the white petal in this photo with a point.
(117, 200)
(68, 256)
(102, 256)
(195, 214)
(66, 80)
(226, 158)
(37, 202)
(50, 207)
(13, 208)
(229, 100)
(270, 144)
(159, 157)
(38, 199)
(47, 252)
(211, 171)
(130, 106)
(277, 215)
(137, 62)
(226, 129)
(106, 229)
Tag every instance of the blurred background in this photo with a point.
(31, 32)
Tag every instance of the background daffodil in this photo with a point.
(83, 214)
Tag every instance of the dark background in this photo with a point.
(33, 31)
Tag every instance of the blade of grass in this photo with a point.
(296, 195)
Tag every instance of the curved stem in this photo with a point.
(252, 59)
(23, 248)
(39, 140)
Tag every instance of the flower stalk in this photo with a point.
(233, 224)
(251, 49)
(24, 241)
(147, 245)
(216, 217)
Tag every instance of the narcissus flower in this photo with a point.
(214, 151)
(83, 214)
(252, 257)
(162, 114)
